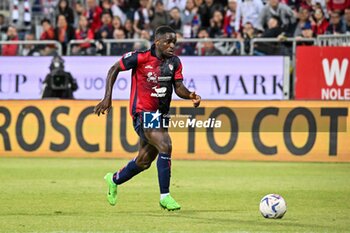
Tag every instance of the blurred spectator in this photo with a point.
(128, 29)
(335, 24)
(170, 4)
(145, 35)
(175, 22)
(48, 8)
(222, 3)
(190, 20)
(302, 18)
(117, 10)
(10, 49)
(231, 25)
(132, 6)
(63, 8)
(3, 29)
(216, 25)
(206, 12)
(21, 14)
(183, 48)
(322, 4)
(120, 48)
(106, 6)
(247, 11)
(274, 30)
(103, 33)
(248, 33)
(141, 46)
(3, 24)
(209, 49)
(198, 3)
(117, 23)
(141, 17)
(337, 5)
(319, 22)
(307, 4)
(205, 48)
(293, 4)
(64, 32)
(79, 10)
(160, 16)
(47, 34)
(106, 26)
(307, 33)
(30, 49)
(280, 10)
(83, 32)
(93, 14)
(346, 22)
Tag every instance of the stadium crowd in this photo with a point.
(64, 20)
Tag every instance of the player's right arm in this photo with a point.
(128, 61)
(106, 103)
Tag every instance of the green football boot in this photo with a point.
(169, 203)
(112, 189)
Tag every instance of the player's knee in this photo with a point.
(165, 147)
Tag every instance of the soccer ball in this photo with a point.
(273, 206)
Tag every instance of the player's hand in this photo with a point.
(196, 99)
(104, 106)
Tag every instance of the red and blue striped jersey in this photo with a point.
(153, 80)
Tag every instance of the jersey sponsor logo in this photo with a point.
(148, 67)
(164, 78)
(152, 77)
(159, 92)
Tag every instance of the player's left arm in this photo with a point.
(184, 93)
(180, 89)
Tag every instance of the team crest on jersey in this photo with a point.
(171, 67)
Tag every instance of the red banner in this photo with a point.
(323, 73)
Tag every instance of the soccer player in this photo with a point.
(155, 73)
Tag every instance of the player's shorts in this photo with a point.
(138, 126)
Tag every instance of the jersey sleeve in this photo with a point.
(178, 72)
(128, 61)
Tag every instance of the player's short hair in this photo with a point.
(161, 30)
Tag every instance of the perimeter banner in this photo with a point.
(254, 78)
(322, 73)
(255, 130)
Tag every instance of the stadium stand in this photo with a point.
(233, 27)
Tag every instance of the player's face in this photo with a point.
(166, 44)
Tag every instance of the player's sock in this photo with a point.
(163, 195)
(163, 166)
(127, 172)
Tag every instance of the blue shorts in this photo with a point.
(138, 126)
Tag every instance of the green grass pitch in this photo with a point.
(68, 195)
